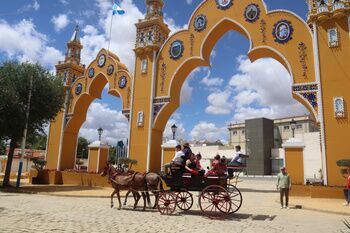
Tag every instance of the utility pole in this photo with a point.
(24, 138)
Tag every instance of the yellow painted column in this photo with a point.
(98, 156)
(294, 160)
(168, 152)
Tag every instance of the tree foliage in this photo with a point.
(47, 100)
(83, 148)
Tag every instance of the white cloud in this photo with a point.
(114, 124)
(219, 103)
(64, 2)
(33, 6)
(208, 131)
(263, 89)
(189, 2)
(24, 43)
(180, 132)
(60, 21)
(212, 81)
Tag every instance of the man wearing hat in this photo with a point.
(283, 185)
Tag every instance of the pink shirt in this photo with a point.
(348, 182)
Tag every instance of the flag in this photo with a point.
(117, 10)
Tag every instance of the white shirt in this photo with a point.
(178, 154)
(237, 157)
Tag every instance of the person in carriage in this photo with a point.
(191, 165)
(218, 167)
(237, 161)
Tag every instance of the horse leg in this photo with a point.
(137, 198)
(148, 198)
(112, 198)
(144, 197)
(126, 197)
(156, 196)
(120, 204)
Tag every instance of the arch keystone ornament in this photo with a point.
(63, 135)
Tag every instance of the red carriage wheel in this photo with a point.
(214, 202)
(166, 203)
(184, 200)
(235, 197)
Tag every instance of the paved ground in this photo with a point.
(259, 213)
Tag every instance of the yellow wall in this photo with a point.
(139, 136)
(53, 142)
(294, 161)
(335, 78)
(92, 163)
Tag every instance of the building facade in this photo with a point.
(282, 130)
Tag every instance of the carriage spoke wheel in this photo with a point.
(184, 200)
(166, 203)
(235, 197)
(214, 202)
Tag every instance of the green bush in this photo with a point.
(39, 163)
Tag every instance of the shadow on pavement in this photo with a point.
(36, 189)
(257, 190)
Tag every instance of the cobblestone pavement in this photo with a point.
(259, 213)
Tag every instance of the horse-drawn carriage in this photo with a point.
(217, 198)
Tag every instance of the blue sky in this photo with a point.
(232, 90)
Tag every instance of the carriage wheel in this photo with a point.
(166, 203)
(235, 197)
(214, 202)
(184, 200)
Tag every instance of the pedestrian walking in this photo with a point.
(283, 185)
(348, 187)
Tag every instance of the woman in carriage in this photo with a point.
(218, 167)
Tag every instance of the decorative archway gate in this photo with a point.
(316, 60)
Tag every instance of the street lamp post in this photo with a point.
(173, 129)
(293, 125)
(100, 131)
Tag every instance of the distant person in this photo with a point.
(283, 185)
(348, 188)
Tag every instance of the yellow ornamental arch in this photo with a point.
(105, 69)
(278, 34)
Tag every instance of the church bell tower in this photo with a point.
(151, 34)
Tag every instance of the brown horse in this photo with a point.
(125, 181)
(153, 182)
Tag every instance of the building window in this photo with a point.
(234, 132)
(144, 66)
(286, 127)
(243, 132)
(333, 37)
(299, 126)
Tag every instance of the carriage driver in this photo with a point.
(236, 161)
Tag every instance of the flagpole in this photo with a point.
(110, 33)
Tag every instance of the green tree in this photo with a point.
(83, 148)
(36, 141)
(47, 100)
(2, 147)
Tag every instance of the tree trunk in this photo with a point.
(6, 181)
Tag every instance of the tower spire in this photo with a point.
(76, 34)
